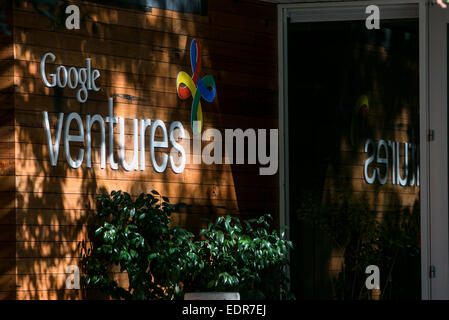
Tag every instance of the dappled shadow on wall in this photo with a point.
(138, 56)
(55, 204)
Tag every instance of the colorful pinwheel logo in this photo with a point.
(196, 87)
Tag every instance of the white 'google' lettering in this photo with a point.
(82, 78)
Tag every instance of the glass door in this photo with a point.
(353, 126)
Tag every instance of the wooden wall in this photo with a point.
(7, 168)
(138, 54)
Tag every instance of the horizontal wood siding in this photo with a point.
(139, 55)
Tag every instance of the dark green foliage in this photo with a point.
(243, 257)
(137, 237)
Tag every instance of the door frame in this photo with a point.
(438, 150)
(327, 11)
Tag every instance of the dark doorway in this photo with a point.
(347, 86)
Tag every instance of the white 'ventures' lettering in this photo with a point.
(73, 122)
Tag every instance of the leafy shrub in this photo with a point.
(240, 257)
(161, 260)
(137, 236)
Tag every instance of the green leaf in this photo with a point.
(220, 237)
(98, 231)
(153, 256)
(227, 222)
